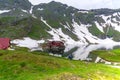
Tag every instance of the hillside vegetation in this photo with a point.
(23, 65)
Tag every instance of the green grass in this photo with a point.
(23, 65)
(95, 31)
(112, 33)
(110, 55)
(27, 26)
(38, 30)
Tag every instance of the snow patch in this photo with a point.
(108, 21)
(4, 11)
(40, 9)
(22, 15)
(25, 11)
(59, 35)
(27, 42)
(34, 16)
(115, 14)
(31, 9)
(83, 12)
(66, 26)
(64, 15)
(82, 32)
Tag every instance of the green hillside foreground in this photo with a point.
(23, 65)
(109, 55)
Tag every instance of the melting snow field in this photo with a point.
(27, 42)
(81, 31)
(31, 43)
(111, 21)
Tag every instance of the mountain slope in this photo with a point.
(58, 21)
(15, 4)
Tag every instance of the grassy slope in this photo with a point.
(38, 30)
(22, 65)
(95, 31)
(111, 55)
(34, 28)
(10, 27)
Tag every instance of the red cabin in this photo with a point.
(4, 43)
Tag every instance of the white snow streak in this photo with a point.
(25, 11)
(83, 12)
(4, 11)
(31, 9)
(34, 16)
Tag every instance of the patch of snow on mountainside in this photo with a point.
(108, 20)
(114, 19)
(4, 11)
(58, 34)
(115, 14)
(107, 41)
(34, 16)
(83, 51)
(66, 26)
(31, 9)
(45, 22)
(83, 12)
(40, 9)
(25, 11)
(82, 32)
(27, 42)
(118, 14)
(64, 15)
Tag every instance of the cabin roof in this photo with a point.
(4, 43)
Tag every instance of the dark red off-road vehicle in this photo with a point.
(56, 47)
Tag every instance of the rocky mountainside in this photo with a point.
(57, 21)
